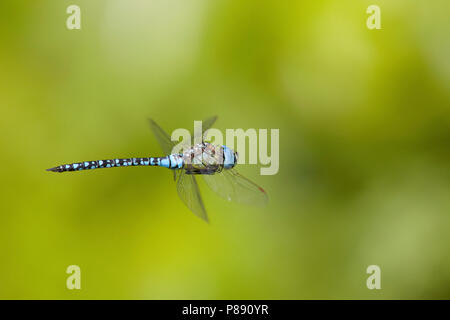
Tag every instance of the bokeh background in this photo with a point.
(364, 124)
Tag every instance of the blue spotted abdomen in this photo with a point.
(171, 162)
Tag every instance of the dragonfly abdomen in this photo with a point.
(171, 162)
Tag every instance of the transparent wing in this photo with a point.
(232, 186)
(177, 173)
(206, 125)
(188, 191)
(162, 137)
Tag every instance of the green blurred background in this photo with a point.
(364, 124)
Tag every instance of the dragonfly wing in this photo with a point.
(162, 137)
(167, 144)
(177, 173)
(232, 186)
(188, 191)
(206, 125)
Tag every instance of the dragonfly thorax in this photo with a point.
(205, 158)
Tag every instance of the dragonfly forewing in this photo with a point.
(162, 137)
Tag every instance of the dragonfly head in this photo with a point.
(229, 158)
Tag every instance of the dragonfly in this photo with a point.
(215, 164)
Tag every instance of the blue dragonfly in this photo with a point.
(214, 163)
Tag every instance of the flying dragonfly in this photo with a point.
(214, 163)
